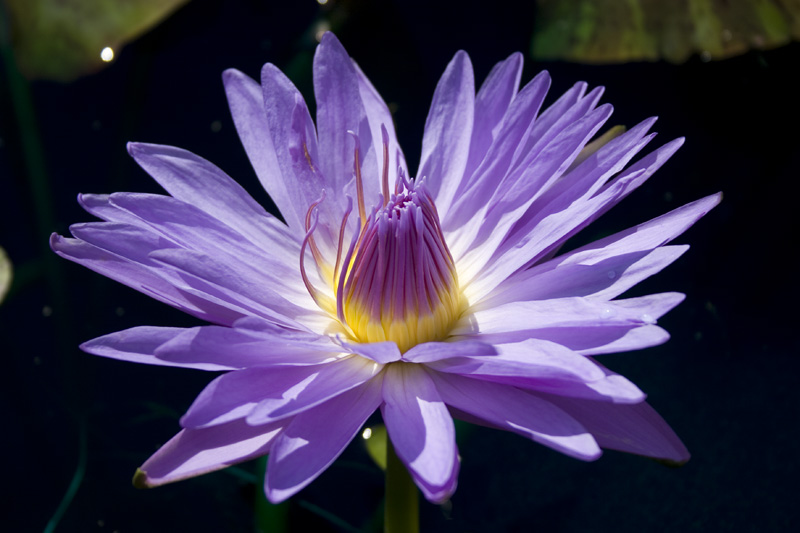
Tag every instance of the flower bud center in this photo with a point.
(401, 284)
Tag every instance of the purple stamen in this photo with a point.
(362, 211)
(385, 174)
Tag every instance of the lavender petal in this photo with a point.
(421, 430)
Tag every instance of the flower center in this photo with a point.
(401, 284)
(397, 281)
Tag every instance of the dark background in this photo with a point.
(726, 381)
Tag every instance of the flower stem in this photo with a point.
(401, 514)
(269, 517)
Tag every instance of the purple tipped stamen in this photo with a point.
(397, 280)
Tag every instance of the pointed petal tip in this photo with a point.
(82, 197)
(329, 38)
(231, 74)
(86, 346)
(276, 496)
(516, 59)
(544, 76)
(137, 150)
(269, 68)
(460, 61)
(55, 239)
(580, 86)
(606, 109)
(140, 480)
(133, 148)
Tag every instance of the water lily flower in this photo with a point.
(438, 296)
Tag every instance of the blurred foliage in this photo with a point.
(375, 440)
(5, 274)
(616, 31)
(62, 39)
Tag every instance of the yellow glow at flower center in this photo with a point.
(412, 327)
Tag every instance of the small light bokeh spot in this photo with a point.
(107, 54)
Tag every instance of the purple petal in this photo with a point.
(139, 345)
(491, 104)
(643, 237)
(601, 280)
(141, 276)
(629, 428)
(190, 227)
(532, 359)
(519, 189)
(211, 277)
(556, 111)
(380, 352)
(330, 381)
(315, 438)
(421, 430)
(435, 351)
(297, 156)
(539, 233)
(588, 176)
(487, 176)
(193, 452)
(246, 101)
(547, 163)
(612, 388)
(569, 108)
(340, 109)
(448, 129)
(100, 206)
(238, 348)
(266, 394)
(197, 182)
(186, 226)
(596, 341)
(514, 410)
(520, 320)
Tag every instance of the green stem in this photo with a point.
(401, 514)
(270, 518)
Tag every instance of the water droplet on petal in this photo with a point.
(607, 312)
(648, 319)
(612, 274)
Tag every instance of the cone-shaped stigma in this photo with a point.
(400, 284)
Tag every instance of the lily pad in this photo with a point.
(614, 31)
(64, 39)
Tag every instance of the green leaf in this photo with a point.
(63, 39)
(617, 31)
